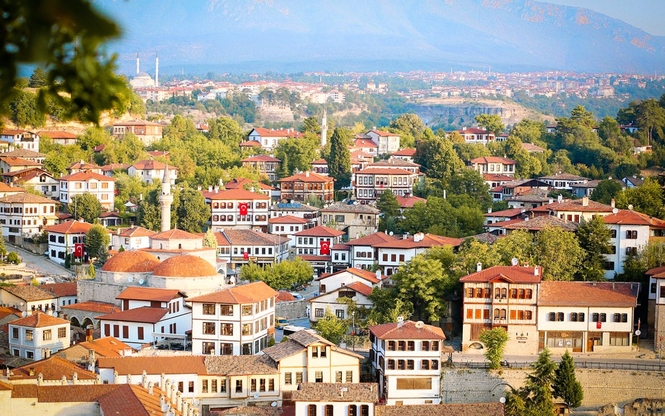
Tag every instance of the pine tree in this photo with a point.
(566, 385)
(283, 170)
(538, 386)
(339, 161)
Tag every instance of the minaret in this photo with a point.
(156, 70)
(324, 129)
(137, 62)
(166, 199)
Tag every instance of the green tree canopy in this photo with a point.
(331, 327)
(606, 191)
(409, 124)
(339, 161)
(420, 282)
(438, 158)
(297, 153)
(566, 386)
(594, 239)
(281, 275)
(495, 342)
(97, 241)
(647, 199)
(559, 253)
(193, 212)
(490, 122)
(85, 206)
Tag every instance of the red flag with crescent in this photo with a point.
(243, 207)
(245, 255)
(79, 249)
(325, 247)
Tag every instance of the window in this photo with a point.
(435, 345)
(208, 309)
(226, 310)
(311, 410)
(318, 312)
(47, 335)
(226, 329)
(401, 346)
(349, 377)
(246, 310)
(401, 365)
(209, 328)
(613, 233)
(322, 352)
(424, 364)
(631, 234)
(364, 410)
(339, 313)
(318, 377)
(353, 410)
(338, 377)
(190, 387)
(391, 344)
(208, 347)
(62, 332)
(252, 385)
(15, 333)
(410, 365)
(424, 346)
(125, 331)
(238, 386)
(204, 386)
(299, 377)
(29, 334)
(391, 364)
(271, 384)
(411, 346)
(287, 379)
(329, 410)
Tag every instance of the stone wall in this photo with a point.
(463, 385)
(292, 310)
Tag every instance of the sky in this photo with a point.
(645, 14)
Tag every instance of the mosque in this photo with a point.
(143, 79)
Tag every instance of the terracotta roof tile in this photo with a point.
(337, 392)
(62, 394)
(26, 198)
(131, 261)
(359, 287)
(409, 201)
(319, 231)
(70, 227)
(238, 194)
(150, 293)
(428, 240)
(471, 409)
(240, 365)
(408, 330)
(181, 364)
(61, 289)
(372, 239)
(364, 143)
(150, 164)
(52, 368)
(249, 293)
(493, 159)
(54, 134)
(92, 306)
(629, 217)
(384, 171)
(249, 238)
(28, 293)
(17, 161)
(39, 319)
(185, 265)
(133, 400)
(581, 205)
(564, 177)
(87, 176)
(394, 163)
(512, 274)
(600, 294)
(284, 296)
(136, 231)
(405, 152)
(287, 219)
(143, 314)
(363, 274)
(307, 177)
(106, 347)
(261, 158)
(175, 235)
(278, 133)
(383, 133)
(538, 223)
(655, 270)
(239, 183)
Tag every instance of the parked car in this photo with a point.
(281, 322)
(298, 296)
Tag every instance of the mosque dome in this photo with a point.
(131, 261)
(185, 266)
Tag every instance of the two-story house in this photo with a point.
(386, 142)
(267, 165)
(493, 165)
(297, 209)
(336, 399)
(240, 247)
(131, 238)
(28, 298)
(9, 164)
(364, 144)
(404, 154)
(406, 356)
(563, 180)
(20, 139)
(238, 209)
(38, 335)
(287, 226)
(586, 317)
(269, 138)
(102, 187)
(371, 182)
(152, 170)
(574, 210)
(316, 244)
(355, 220)
(393, 253)
(63, 239)
(235, 321)
(501, 297)
(363, 253)
(300, 186)
(34, 178)
(148, 315)
(25, 215)
(148, 132)
(474, 135)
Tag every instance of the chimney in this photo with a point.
(162, 401)
(144, 379)
(31, 371)
(479, 266)
(613, 203)
(178, 400)
(174, 393)
(167, 389)
(75, 378)
(536, 271)
(185, 407)
(585, 201)
(489, 210)
(210, 188)
(307, 174)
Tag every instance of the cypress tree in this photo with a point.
(566, 386)
(339, 161)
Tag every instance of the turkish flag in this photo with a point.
(243, 207)
(79, 249)
(245, 255)
(325, 247)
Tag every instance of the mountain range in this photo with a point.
(197, 36)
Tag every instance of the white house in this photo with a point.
(63, 239)
(235, 321)
(586, 317)
(28, 298)
(386, 142)
(131, 238)
(336, 399)
(65, 293)
(407, 359)
(37, 336)
(287, 226)
(393, 253)
(563, 180)
(371, 182)
(330, 300)
(317, 241)
(102, 187)
(25, 215)
(152, 170)
(20, 139)
(334, 281)
(238, 209)
(630, 232)
(493, 165)
(363, 254)
(474, 135)
(240, 247)
(269, 138)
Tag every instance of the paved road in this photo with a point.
(41, 264)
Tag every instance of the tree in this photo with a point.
(409, 124)
(495, 342)
(85, 206)
(193, 212)
(582, 117)
(311, 124)
(13, 258)
(279, 276)
(92, 272)
(388, 205)
(594, 239)
(538, 386)
(339, 161)
(518, 244)
(647, 199)
(490, 122)
(331, 327)
(566, 386)
(38, 78)
(209, 240)
(419, 282)
(650, 117)
(528, 131)
(301, 152)
(558, 252)
(606, 191)
(97, 241)
(67, 39)
(438, 158)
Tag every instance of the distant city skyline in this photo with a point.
(647, 15)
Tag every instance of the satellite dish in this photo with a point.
(256, 395)
(141, 281)
(130, 279)
(514, 261)
(400, 318)
(502, 400)
(420, 324)
(273, 404)
(615, 210)
(390, 233)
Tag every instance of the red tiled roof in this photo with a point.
(428, 240)
(493, 159)
(284, 296)
(136, 231)
(182, 364)
(512, 274)
(384, 171)
(113, 166)
(473, 130)
(238, 194)
(129, 399)
(61, 289)
(184, 266)
(250, 143)
(580, 205)
(175, 235)
(408, 330)
(372, 239)
(465, 409)
(505, 213)
(287, 219)
(8, 188)
(39, 319)
(319, 231)
(405, 152)
(249, 293)
(150, 164)
(599, 294)
(92, 306)
(364, 274)
(70, 227)
(142, 314)
(495, 177)
(538, 223)
(52, 368)
(106, 347)
(307, 177)
(383, 133)
(312, 257)
(364, 143)
(25, 198)
(655, 270)
(131, 261)
(629, 217)
(16, 161)
(261, 158)
(319, 162)
(57, 134)
(278, 133)
(247, 237)
(150, 293)
(86, 176)
(409, 201)
(359, 287)
(239, 183)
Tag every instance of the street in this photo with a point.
(39, 263)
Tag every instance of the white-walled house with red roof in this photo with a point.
(317, 241)
(102, 187)
(63, 238)
(406, 356)
(331, 282)
(287, 226)
(131, 238)
(20, 139)
(475, 135)
(357, 291)
(493, 165)
(38, 335)
(393, 253)
(371, 182)
(152, 170)
(238, 209)
(362, 253)
(25, 215)
(404, 154)
(386, 142)
(266, 164)
(269, 138)
(630, 232)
